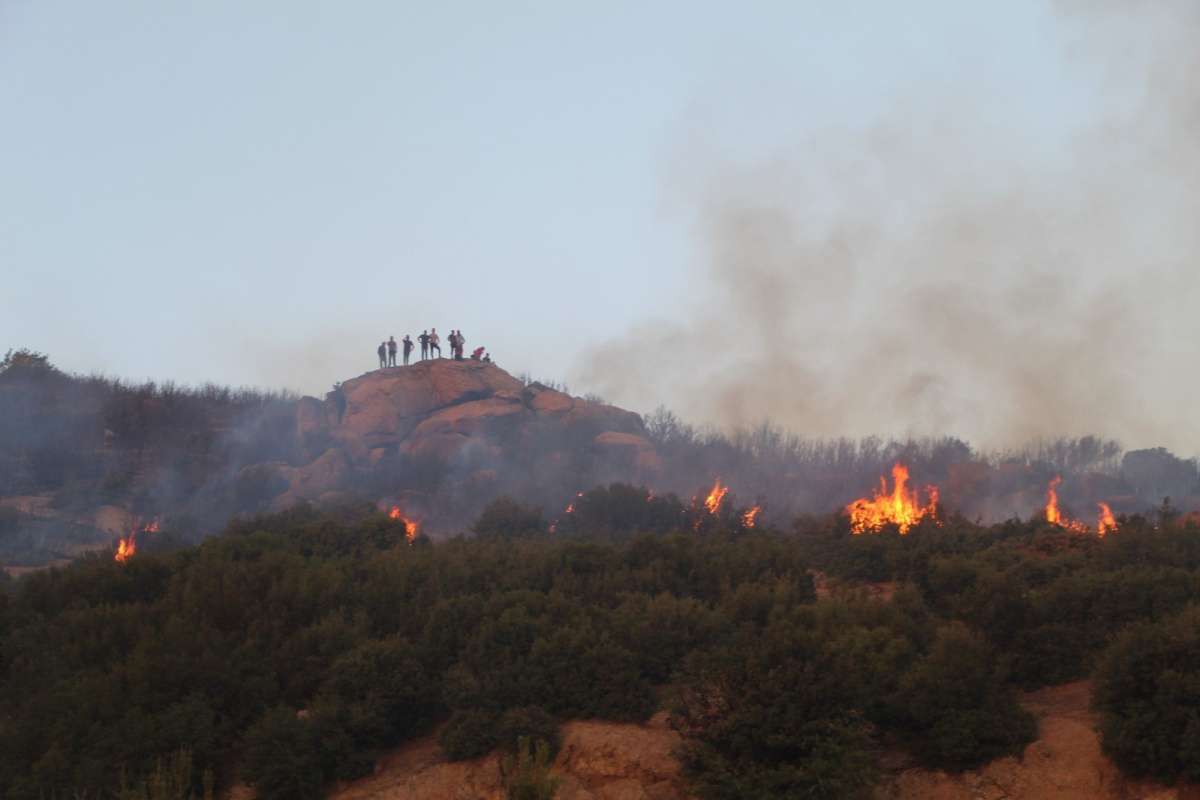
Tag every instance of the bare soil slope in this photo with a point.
(598, 761)
(607, 761)
(1064, 763)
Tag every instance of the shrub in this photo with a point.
(283, 757)
(959, 706)
(468, 734)
(1148, 693)
(505, 518)
(532, 723)
(526, 772)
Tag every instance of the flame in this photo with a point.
(571, 505)
(125, 549)
(900, 507)
(411, 527)
(713, 501)
(1106, 522)
(750, 518)
(152, 526)
(1054, 515)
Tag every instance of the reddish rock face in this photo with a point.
(459, 412)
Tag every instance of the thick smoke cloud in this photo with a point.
(947, 271)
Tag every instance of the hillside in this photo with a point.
(87, 461)
(309, 650)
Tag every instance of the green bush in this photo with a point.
(1147, 690)
(526, 771)
(505, 518)
(532, 723)
(283, 757)
(960, 707)
(468, 734)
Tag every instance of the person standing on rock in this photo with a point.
(435, 343)
(408, 348)
(391, 351)
(424, 340)
(460, 341)
(382, 354)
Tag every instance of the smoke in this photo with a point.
(950, 270)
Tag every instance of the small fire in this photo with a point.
(900, 507)
(411, 527)
(1054, 515)
(127, 546)
(571, 505)
(125, 549)
(750, 518)
(1106, 522)
(713, 501)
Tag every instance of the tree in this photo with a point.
(1147, 690)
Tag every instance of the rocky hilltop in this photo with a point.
(86, 461)
(444, 436)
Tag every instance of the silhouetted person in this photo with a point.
(459, 342)
(435, 343)
(487, 358)
(424, 340)
(391, 351)
(408, 348)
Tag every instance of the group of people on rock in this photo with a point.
(430, 342)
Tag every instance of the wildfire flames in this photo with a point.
(900, 507)
(713, 501)
(750, 518)
(1106, 522)
(411, 527)
(125, 549)
(1054, 515)
(127, 545)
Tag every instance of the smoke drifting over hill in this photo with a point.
(950, 270)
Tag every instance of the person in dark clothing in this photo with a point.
(407, 343)
(424, 340)
(487, 358)
(338, 397)
(382, 354)
(391, 351)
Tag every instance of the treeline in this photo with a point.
(94, 440)
(292, 650)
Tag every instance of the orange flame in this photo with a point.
(1106, 522)
(900, 507)
(1054, 515)
(125, 549)
(750, 518)
(713, 501)
(152, 526)
(411, 527)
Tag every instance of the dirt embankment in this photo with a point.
(598, 761)
(1064, 763)
(607, 761)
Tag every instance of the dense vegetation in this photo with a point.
(92, 440)
(293, 649)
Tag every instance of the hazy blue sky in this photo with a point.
(258, 192)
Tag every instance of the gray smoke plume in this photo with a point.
(945, 274)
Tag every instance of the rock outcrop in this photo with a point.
(472, 420)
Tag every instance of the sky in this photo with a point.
(864, 217)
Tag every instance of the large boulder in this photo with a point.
(473, 417)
